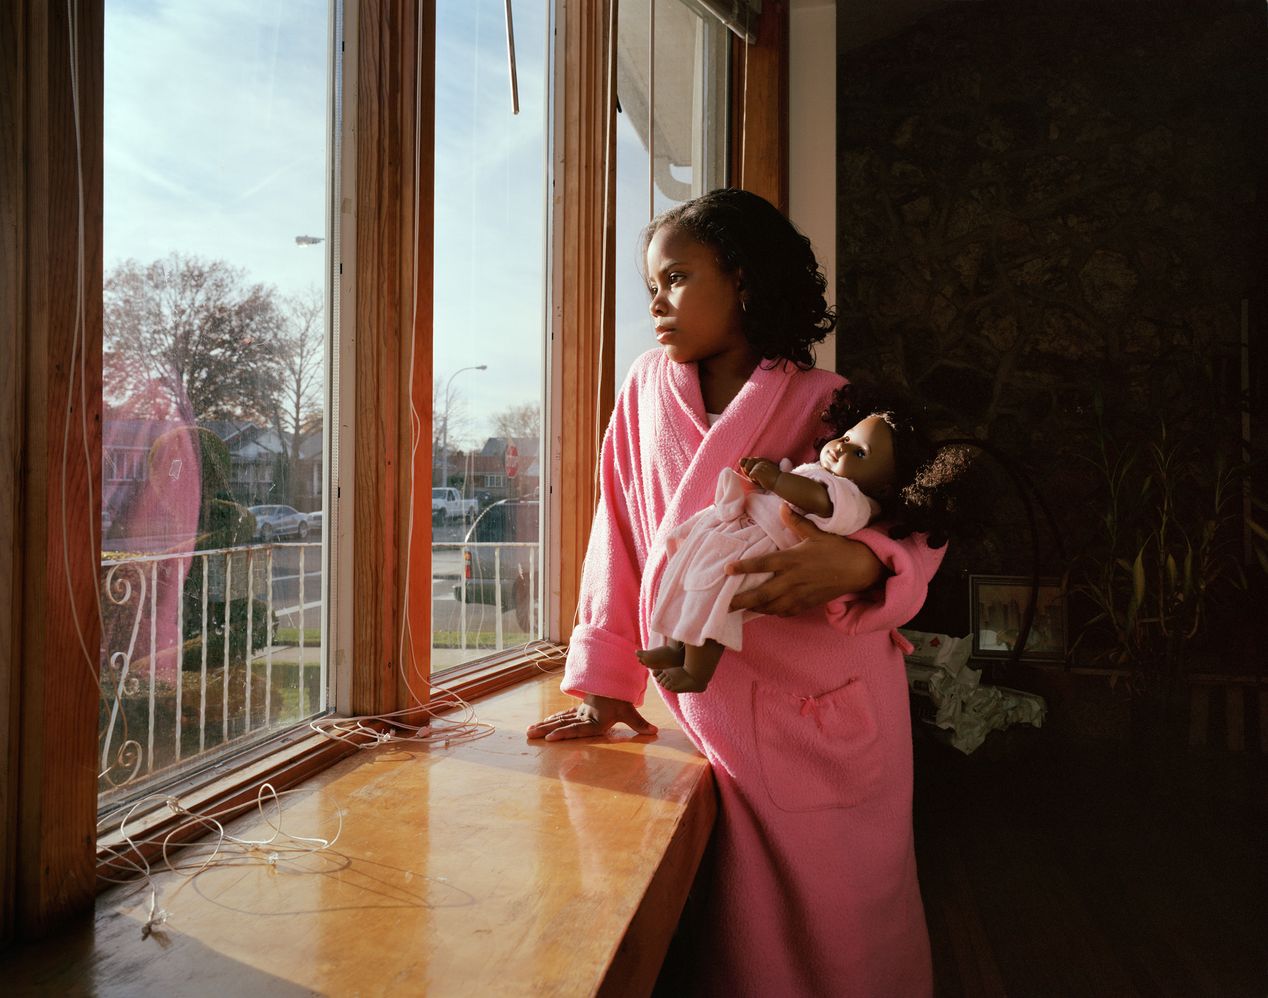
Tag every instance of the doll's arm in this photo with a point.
(802, 492)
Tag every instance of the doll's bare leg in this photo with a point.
(699, 664)
(664, 657)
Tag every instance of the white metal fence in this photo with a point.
(203, 652)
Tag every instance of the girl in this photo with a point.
(808, 729)
(876, 461)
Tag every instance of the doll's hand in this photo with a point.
(760, 471)
(817, 570)
(593, 716)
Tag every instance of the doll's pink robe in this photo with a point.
(743, 521)
(813, 888)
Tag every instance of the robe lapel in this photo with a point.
(732, 437)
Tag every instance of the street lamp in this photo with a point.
(444, 441)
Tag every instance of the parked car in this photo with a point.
(273, 522)
(315, 525)
(447, 504)
(487, 565)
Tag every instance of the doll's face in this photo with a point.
(865, 455)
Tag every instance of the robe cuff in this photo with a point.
(603, 664)
(911, 563)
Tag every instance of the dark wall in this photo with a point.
(1051, 217)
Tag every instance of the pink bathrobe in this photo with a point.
(814, 890)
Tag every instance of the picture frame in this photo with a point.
(996, 605)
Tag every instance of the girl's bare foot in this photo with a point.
(664, 657)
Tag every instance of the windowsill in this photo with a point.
(287, 760)
(492, 866)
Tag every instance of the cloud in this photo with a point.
(216, 145)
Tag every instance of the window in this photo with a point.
(670, 138)
(219, 171)
(489, 324)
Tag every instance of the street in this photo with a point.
(293, 559)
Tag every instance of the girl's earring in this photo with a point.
(743, 304)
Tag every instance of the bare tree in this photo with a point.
(298, 405)
(450, 423)
(190, 337)
(519, 421)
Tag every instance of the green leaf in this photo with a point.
(1138, 589)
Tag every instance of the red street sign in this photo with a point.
(512, 461)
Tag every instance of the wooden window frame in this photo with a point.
(48, 699)
(759, 107)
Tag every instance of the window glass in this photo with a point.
(671, 154)
(218, 182)
(491, 203)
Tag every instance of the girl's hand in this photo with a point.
(593, 716)
(816, 571)
(760, 471)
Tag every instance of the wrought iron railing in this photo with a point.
(207, 651)
(193, 665)
(491, 584)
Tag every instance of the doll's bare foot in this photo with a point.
(664, 657)
(678, 681)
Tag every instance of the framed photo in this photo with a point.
(996, 605)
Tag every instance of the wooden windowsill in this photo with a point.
(289, 758)
(496, 866)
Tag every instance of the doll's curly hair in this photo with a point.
(933, 482)
(785, 312)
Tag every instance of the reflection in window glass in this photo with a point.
(218, 172)
(687, 138)
(489, 326)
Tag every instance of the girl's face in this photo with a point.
(865, 455)
(695, 304)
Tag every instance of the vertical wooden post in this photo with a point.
(583, 392)
(50, 441)
(12, 402)
(394, 121)
(759, 108)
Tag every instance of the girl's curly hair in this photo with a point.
(933, 482)
(785, 312)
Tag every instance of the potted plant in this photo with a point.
(1164, 555)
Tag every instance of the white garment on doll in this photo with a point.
(694, 598)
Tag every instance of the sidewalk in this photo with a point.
(441, 658)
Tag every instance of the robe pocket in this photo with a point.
(818, 752)
(704, 569)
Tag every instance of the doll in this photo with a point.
(878, 466)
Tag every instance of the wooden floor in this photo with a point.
(1056, 869)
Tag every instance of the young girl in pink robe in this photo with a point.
(813, 890)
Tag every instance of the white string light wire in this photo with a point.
(225, 849)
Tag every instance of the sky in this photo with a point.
(215, 135)
(216, 145)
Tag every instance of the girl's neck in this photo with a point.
(722, 377)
